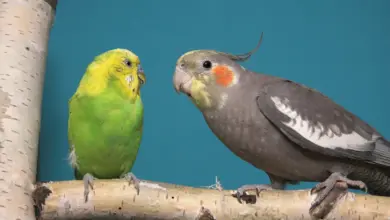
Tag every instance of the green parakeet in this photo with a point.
(106, 119)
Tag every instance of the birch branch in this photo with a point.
(24, 34)
(117, 199)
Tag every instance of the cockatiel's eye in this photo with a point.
(127, 62)
(207, 64)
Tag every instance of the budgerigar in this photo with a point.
(106, 119)
(292, 132)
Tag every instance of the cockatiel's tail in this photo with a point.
(106, 117)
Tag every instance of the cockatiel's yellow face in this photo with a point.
(204, 75)
(118, 67)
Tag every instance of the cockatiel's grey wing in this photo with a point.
(316, 123)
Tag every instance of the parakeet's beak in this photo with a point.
(182, 81)
(141, 74)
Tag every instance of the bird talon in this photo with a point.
(324, 188)
(88, 183)
(131, 178)
(317, 188)
(137, 186)
(356, 183)
(86, 192)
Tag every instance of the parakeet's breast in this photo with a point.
(105, 132)
(249, 135)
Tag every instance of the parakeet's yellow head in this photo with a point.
(120, 68)
(207, 76)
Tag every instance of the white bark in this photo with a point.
(24, 33)
(116, 199)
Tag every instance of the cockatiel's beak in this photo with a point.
(182, 81)
(141, 75)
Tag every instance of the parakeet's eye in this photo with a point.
(127, 62)
(207, 64)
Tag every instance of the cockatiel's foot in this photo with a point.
(132, 179)
(88, 182)
(324, 188)
(257, 187)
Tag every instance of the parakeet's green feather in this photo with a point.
(105, 127)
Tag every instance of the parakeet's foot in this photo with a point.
(88, 182)
(132, 179)
(324, 188)
(258, 187)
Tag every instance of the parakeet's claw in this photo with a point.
(133, 179)
(88, 182)
(324, 188)
(258, 188)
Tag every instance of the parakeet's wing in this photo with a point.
(316, 123)
(70, 132)
(72, 154)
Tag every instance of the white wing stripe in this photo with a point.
(302, 127)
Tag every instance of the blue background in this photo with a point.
(341, 48)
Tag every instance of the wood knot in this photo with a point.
(205, 214)
(39, 197)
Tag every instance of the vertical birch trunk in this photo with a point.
(24, 33)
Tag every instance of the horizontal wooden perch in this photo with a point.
(116, 199)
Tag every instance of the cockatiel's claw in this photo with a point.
(88, 182)
(257, 187)
(324, 188)
(133, 179)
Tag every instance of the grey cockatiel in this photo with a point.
(292, 132)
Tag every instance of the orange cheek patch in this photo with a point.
(224, 76)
